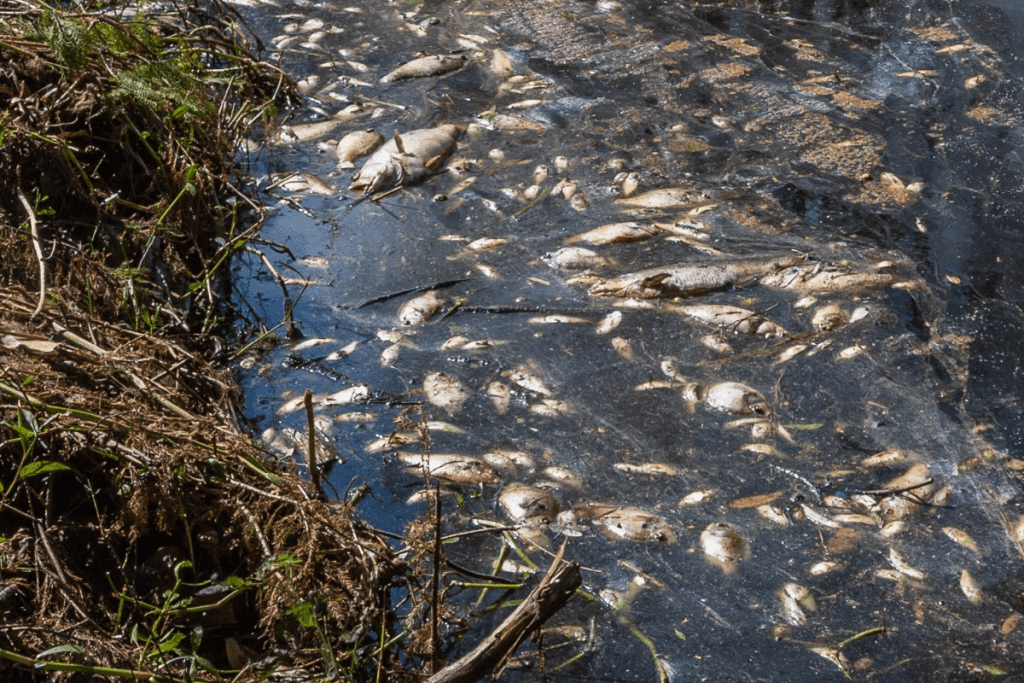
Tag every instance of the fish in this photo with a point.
(689, 279)
(530, 503)
(406, 158)
(628, 523)
(723, 545)
(444, 391)
(614, 233)
(823, 277)
(734, 319)
(736, 398)
(418, 310)
(356, 145)
(664, 198)
(429, 65)
(458, 469)
(574, 258)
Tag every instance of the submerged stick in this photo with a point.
(491, 655)
(34, 227)
(314, 473)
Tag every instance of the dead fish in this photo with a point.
(444, 391)
(664, 198)
(500, 396)
(430, 65)
(485, 243)
(305, 182)
(736, 398)
(615, 233)
(653, 468)
(902, 567)
(550, 407)
(723, 545)
(390, 355)
(962, 537)
(689, 279)
(823, 277)
(629, 183)
(623, 347)
(609, 322)
(406, 158)
(970, 588)
(529, 503)
(458, 469)
(558, 319)
(504, 458)
(356, 145)
(629, 523)
(574, 258)
(357, 394)
(419, 310)
(525, 378)
(828, 317)
(734, 319)
(715, 343)
(507, 123)
(796, 601)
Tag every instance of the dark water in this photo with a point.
(785, 118)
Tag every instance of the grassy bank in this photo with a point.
(142, 533)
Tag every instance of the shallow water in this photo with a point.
(782, 119)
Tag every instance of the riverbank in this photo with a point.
(144, 534)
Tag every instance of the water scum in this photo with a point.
(777, 204)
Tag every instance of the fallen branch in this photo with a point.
(492, 655)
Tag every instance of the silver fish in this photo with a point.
(522, 502)
(734, 319)
(430, 65)
(689, 279)
(356, 145)
(406, 158)
(614, 233)
(418, 310)
(823, 277)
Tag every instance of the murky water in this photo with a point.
(878, 140)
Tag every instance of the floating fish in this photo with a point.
(430, 65)
(733, 319)
(824, 277)
(689, 279)
(406, 158)
(418, 310)
(444, 391)
(458, 469)
(614, 233)
(530, 503)
(356, 145)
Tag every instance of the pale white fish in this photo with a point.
(356, 145)
(429, 65)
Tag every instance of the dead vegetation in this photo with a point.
(143, 534)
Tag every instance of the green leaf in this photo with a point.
(41, 467)
(171, 643)
(993, 669)
(60, 649)
(303, 612)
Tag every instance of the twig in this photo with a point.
(38, 249)
(314, 473)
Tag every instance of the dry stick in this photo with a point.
(491, 656)
(314, 473)
(39, 251)
(288, 305)
(435, 582)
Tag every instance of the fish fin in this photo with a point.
(398, 143)
(434, 163)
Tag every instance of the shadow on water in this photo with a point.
(866, 137)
